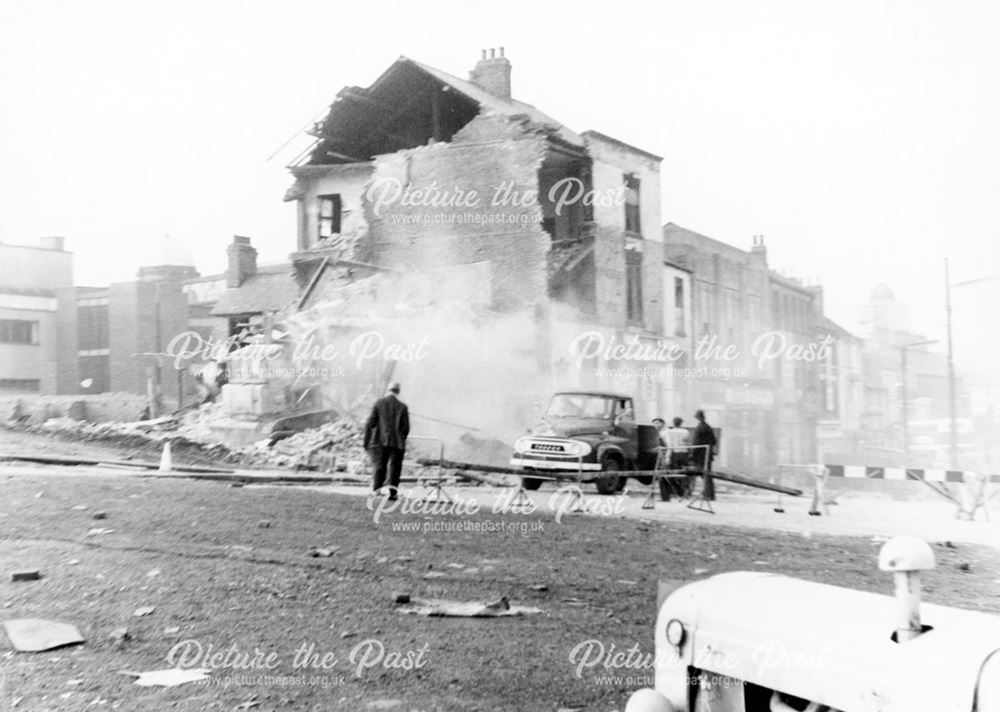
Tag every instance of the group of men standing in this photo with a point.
(685, 450)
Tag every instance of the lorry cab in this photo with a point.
(590, 433)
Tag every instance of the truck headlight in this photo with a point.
(577, 448)
(522, 444)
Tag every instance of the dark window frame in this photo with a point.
(21, 332)
(331, 221)
(633, 218)
(633, 287)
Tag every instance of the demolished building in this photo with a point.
(519, 252)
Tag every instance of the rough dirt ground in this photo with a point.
(200, 553)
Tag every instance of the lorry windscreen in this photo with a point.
(579, 405)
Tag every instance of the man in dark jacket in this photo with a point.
(704, 436)
(385, 437)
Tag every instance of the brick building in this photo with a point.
(424, 171)
(34, 282)
(756, 338)
(121, 332)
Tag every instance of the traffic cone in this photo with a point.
(166, 462)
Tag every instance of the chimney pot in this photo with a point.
(493, 74)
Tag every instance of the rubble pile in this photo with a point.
(343, 438)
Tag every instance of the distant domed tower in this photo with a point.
(882, 294)
(882, 313)
(166, 259)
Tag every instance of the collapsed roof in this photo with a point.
(409, 105)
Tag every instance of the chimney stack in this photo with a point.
(758, 252)
(493, 73)
(242, 261)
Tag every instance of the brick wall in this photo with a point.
(67, 372)
(489, 152)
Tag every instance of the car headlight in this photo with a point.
(577, 448)
(522, 445)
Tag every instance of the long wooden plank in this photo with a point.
(590, 475)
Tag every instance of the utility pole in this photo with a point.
(906, 414)
(951, 369)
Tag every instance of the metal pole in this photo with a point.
(906, 415)
(951, 369)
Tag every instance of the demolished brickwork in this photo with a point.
(490, 152)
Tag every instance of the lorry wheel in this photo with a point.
(610, 483)
(531, 483)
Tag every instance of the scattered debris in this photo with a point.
(400, 597)
(965, 567)
(699, 572)
(323, 553)
(168, 678)
(626, 582)
(443, 608)
(264, 524)
(383, 704)
(172, 630)
(120, 635)
(35, 635)
(99, 515)
(80, 507)
(99, 530)
(73, 562)
(539, 587)
(26, 575)
(144, 611)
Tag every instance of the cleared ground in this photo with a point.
(228, 566)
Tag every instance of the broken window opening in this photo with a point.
(679, 307)
(633, 287)
(329, 215)
(632, 224)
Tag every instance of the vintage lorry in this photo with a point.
(591, 435)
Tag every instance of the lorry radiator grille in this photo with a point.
(547, 447)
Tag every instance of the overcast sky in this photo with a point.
(859, 137)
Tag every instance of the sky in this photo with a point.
(859, 137)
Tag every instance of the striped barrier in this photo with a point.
(863, 472)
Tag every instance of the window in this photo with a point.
(20, 385)
(633, 286)
(632, 204)
(329, 215)
(15, 331)
(679, 307)
(92, 323)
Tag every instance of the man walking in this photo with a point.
(385, 437)
(705, 437)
